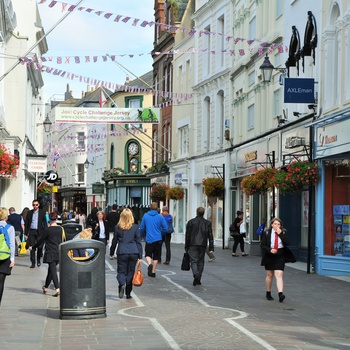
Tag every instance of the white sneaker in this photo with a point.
(211, 259)
(111, 257)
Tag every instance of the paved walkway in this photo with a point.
(228, 311)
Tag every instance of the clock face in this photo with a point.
(133, 148)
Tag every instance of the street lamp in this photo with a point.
(267, 68)
(47, 124)
(87, 163)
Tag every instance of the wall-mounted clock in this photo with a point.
(133, 148)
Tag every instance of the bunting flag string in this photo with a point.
(95, 59)
(112, 86)
(134, 21)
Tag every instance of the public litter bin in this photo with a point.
(71, 229)
(82, 280)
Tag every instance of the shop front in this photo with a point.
(332, 151)
(129, 191)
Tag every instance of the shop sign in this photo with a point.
(332, 138)
(248, 157)
(98, 189)
(37, 165)
(178, 179)
(299, 90)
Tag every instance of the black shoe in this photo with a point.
(128, 297)
(39, 263)
(268, 296)
(281, 297)
(166, 263)
(32, 266)
(149, 270)
(196, 282)
(121, 291)
(152, 275)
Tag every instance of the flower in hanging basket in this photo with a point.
(213, 187)
(296, 176)
(44, 189)
(175, 193)
(158, 192)
(260, 182)
(9, 163)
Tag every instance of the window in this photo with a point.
(279, 8)
(220, 119)
(206, 124)
(220, 43)
(80, 146)
(206, 54)
(80, 177)
(276, 103)
(133, 102)
(111, 159)
(183, 141)
(251, 78)
(252, 28)
(251, 117)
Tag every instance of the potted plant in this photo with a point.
(44, 189)
(295, 176)
(175, 193)
(9, 163)
(213, 187)
(259, 182)
(158, 192)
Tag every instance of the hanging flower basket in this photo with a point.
(213, 187)
(9, 163)
(175, 193)
(158, 192)
(260, 182)
(44, 189)
(296, 176)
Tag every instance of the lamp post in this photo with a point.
(267, 69)
(47, 124)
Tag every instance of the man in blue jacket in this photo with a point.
(153, 225)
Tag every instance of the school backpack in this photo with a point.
(170, 227)
(5, 250)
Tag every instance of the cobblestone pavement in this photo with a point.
(228, 311)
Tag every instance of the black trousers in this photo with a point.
(33, 238)
(197, 254)
(166, 241)
(238, 240)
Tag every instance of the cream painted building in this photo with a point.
(22, 109)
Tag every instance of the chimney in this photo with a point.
(127, 80)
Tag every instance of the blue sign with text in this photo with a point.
(299, 90)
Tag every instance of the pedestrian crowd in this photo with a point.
(42, 232)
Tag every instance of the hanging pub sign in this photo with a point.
(106, 115)
(299, 90)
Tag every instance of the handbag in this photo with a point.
(242, 229)
(63, 239)
(185, 265)
(23, 245)
(138, 278)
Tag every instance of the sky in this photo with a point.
(85, 33)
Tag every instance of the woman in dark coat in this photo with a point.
(237, 236)
(92, 222)
(127, 236)
(274, 244)
(52, 237)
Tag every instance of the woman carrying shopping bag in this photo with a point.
(127, 236)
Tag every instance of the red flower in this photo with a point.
(9, 163)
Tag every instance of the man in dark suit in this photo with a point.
(35, 225)
(17, 222)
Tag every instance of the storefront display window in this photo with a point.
(337, 209)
